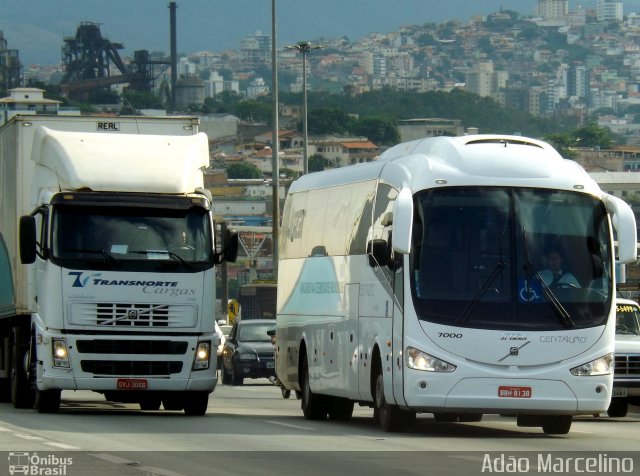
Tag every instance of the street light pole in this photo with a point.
(304, 47)
(275, 146)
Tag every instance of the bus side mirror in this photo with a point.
(402, 222)
(378, 251)
(27, 239)
(625, 224)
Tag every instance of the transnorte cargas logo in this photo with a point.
(81, 279)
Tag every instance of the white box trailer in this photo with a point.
(108, 255)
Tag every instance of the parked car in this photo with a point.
(626, 374)
(248, 352)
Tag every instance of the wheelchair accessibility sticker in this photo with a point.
(529, 290)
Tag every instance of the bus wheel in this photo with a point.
(390, 417)
(618, 408)
(313, 406)
(340, 409)
(556, 424)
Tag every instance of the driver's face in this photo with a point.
(554, 261)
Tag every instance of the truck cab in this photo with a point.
(626, 376)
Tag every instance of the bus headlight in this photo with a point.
(418, 360)
(60, 353)
(600, 366)
(203, 352)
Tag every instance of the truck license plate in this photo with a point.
(271, 365)
(619, 392)
(132, 384)
(514, 392)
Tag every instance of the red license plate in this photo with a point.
(132, 384)
(514, 392)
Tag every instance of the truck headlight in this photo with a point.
(599, 366)
(60, 353)
(203, 354)
(416, 359)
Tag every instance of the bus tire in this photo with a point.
(313, 405)
(618, 408)
(390, 417)
(556, 424)
(340, 409)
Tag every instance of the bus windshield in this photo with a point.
(125, 238)
(516, 259)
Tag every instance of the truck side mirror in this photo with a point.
(229, 252)
(27, 239)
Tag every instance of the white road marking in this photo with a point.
(28, 437)
(62, 446)
(289, 425)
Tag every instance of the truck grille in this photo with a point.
(132, 315)
(131, 347)
(627, 365)
(128, 368)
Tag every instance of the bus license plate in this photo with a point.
(132, 384)
(619, 392)
(514, 392)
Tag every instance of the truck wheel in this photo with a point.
(22, 393)
(195, 403)
(556, 424)
(173, 401)
(48, 401)
(226, 378)
(313, 406)
(150, 403)
(618, 408)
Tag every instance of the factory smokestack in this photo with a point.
(174, 53)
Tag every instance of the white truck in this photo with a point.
(626, 374)
(108, 253)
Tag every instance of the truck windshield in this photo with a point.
(518, 259)
(126, 238)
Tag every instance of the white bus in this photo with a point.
(414, 284)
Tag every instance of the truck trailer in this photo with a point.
(109, 252)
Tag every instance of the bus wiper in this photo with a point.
(109, 257)
(552, 299)
(488, 282)
(171, 254)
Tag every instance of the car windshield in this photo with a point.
(627, 319)
(255, 332)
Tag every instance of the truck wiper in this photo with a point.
(552, 299)
(171, 254)
(474, 302)
(109, 257)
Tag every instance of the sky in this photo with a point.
(37, 28)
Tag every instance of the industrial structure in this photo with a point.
(9, 66)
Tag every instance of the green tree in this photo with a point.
(243, 170)
(317, 163)
(382, 131)
(593, 136)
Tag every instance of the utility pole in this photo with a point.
(304, 47)
(275, 146)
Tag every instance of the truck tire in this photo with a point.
(195, 403)
(48, 401)
(22, 390)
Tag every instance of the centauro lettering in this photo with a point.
(563, 339)
(125, 282)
